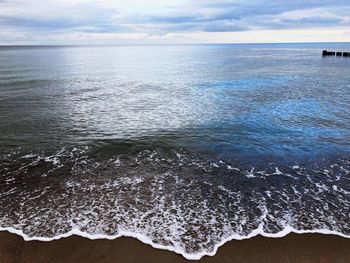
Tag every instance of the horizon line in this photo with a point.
(170, 44)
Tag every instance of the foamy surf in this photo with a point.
(172, 200)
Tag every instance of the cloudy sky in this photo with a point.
(172, 21)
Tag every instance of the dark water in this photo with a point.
(183, 147)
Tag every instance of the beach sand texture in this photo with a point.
(294, 248)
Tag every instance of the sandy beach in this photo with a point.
(294, 248)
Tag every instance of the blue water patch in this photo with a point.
(286, 117)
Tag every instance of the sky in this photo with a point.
(173, 21)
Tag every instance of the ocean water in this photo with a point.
(182, 147)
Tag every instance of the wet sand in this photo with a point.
(306, 248)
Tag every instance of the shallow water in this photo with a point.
(183, 147)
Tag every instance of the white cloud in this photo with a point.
(116, 21)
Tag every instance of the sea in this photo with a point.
(183, 147)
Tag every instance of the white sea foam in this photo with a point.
(277, 171)
(160, 202)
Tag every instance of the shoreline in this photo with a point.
(291, 248)
(190, 257)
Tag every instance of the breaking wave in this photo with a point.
(170, 198)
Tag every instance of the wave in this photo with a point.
(169, 198)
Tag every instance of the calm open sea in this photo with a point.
(183, 147)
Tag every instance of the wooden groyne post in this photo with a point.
(332, 53)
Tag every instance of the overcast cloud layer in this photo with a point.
(177, 21)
